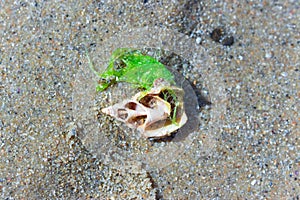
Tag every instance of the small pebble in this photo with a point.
(253, 182)
(228, 41)
(198, 40)
(217, 34)
(284, 74)
(268, 55)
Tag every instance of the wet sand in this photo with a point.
(253, 152)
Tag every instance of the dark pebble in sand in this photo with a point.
(228, 41)
(219, 35)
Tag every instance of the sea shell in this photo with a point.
(155, 113)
